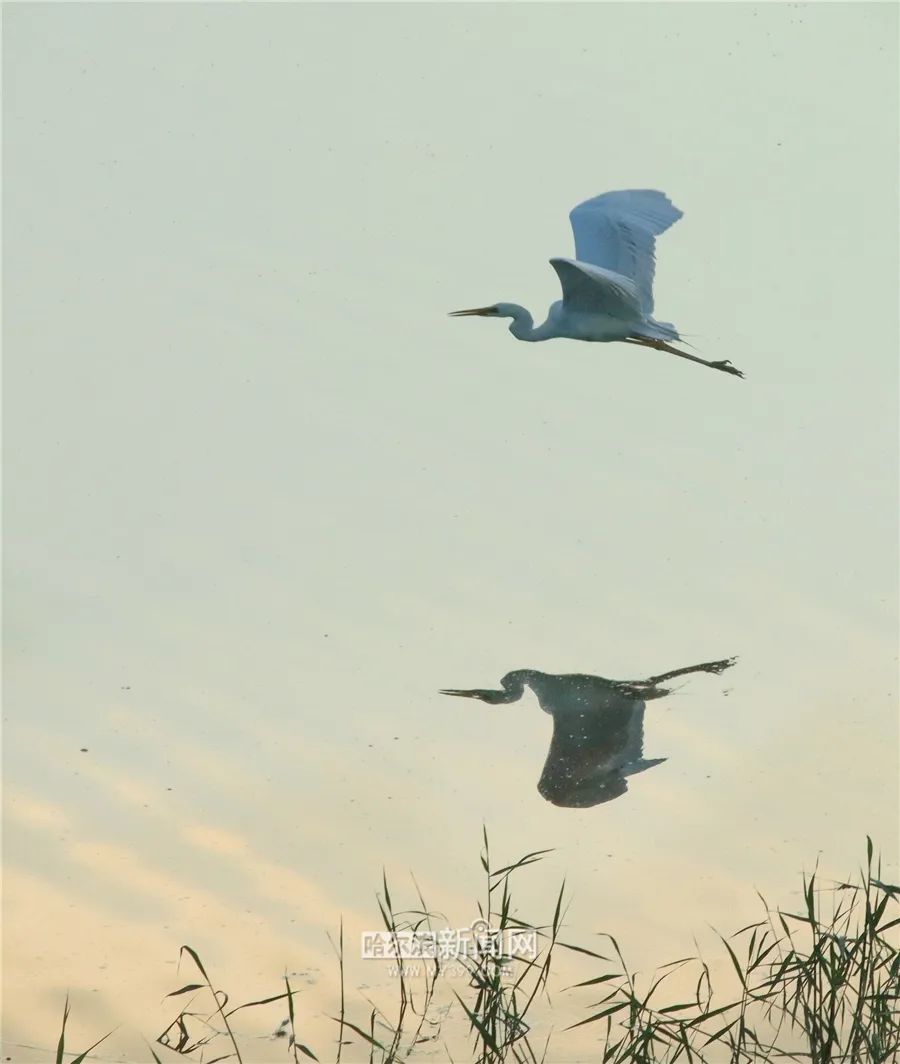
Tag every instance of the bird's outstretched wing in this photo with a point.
(594, 290)
(616, 231)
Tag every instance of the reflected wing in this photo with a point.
(616, 231)
(633, 752)
(582, 793)
(588, 753)
(594, 290)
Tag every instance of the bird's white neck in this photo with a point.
(522, 325)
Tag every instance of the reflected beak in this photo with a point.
(493, 698)
(483, 312)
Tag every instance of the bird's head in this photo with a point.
(521, 326)
(513, 684)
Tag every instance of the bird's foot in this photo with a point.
(726, 367)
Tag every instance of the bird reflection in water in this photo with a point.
(598, 728)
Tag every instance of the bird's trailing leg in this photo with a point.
(649, 688)
(715, 667)
(725, 366)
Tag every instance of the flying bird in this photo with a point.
(607, 288)
(598, 728)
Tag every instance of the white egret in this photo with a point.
(598, 728)
(608, 288)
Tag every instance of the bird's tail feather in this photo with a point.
(657, 330)
(641, 765)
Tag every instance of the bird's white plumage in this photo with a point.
(590, 289)
(617, 231)
(607, 288)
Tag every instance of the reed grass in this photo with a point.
(821, 986)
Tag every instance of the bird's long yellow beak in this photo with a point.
(484, 311)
